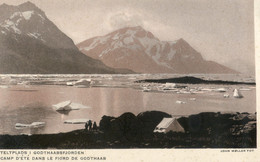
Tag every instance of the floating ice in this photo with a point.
(237, 94)
(226, 95)
(32, 125)
(76, 121)
(220, 90)
(180, 102)
(37, 124)
(68, 105)
(3, 86)
(12, 82)
(76, 106)
(146, 89)
(81, 82)
(245, 89)
(63, 106)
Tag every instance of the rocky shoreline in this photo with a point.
(203, 130)
(194, 80)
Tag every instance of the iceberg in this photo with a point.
(32, 125)
(68, 105)
(37, 124)
(180, 102)
(146, 89)
(81, 82)
(76, 121)
(76, 106)
(85, 82)
(3, 86)
(63, 106)
(220, 90)
(226, 95)
(170, 85)
(20, 125)
(70, 83)
(237, 94)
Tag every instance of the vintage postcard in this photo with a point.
(118, 80)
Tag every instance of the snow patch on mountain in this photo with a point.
(12, 23)
(8, 24)
(27, 14)
(36, 36)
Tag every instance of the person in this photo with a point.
(86, 126)
(95, 126)
(90, 124)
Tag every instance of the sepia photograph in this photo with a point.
(119, 74)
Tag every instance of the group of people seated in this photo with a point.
(88, 126)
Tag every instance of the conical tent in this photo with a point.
(169, 124)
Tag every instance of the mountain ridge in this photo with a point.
(30, 43)
(140, 51)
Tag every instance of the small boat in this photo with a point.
(237, 94)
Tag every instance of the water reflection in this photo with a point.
(36, 106)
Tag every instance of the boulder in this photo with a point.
(150, 119)
(126, 125)
(105, 123)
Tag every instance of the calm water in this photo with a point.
(32, 103)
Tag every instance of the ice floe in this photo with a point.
(180, 102)
(226, 95)
(76, 121)
(32, 125)
(81, 82)
(68, 105)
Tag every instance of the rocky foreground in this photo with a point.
(204, 130)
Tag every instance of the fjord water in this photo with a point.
(115, 95)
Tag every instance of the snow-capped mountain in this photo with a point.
(31, 43)
(139, 50)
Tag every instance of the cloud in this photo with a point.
(124, 19)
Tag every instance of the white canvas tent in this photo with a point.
(167, 125)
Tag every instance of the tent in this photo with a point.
(169, 124)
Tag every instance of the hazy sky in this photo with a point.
(221, 30)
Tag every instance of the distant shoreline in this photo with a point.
(194, 80)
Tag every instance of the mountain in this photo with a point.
(139, 50)
(31, 43)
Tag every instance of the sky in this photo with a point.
(221, 30)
